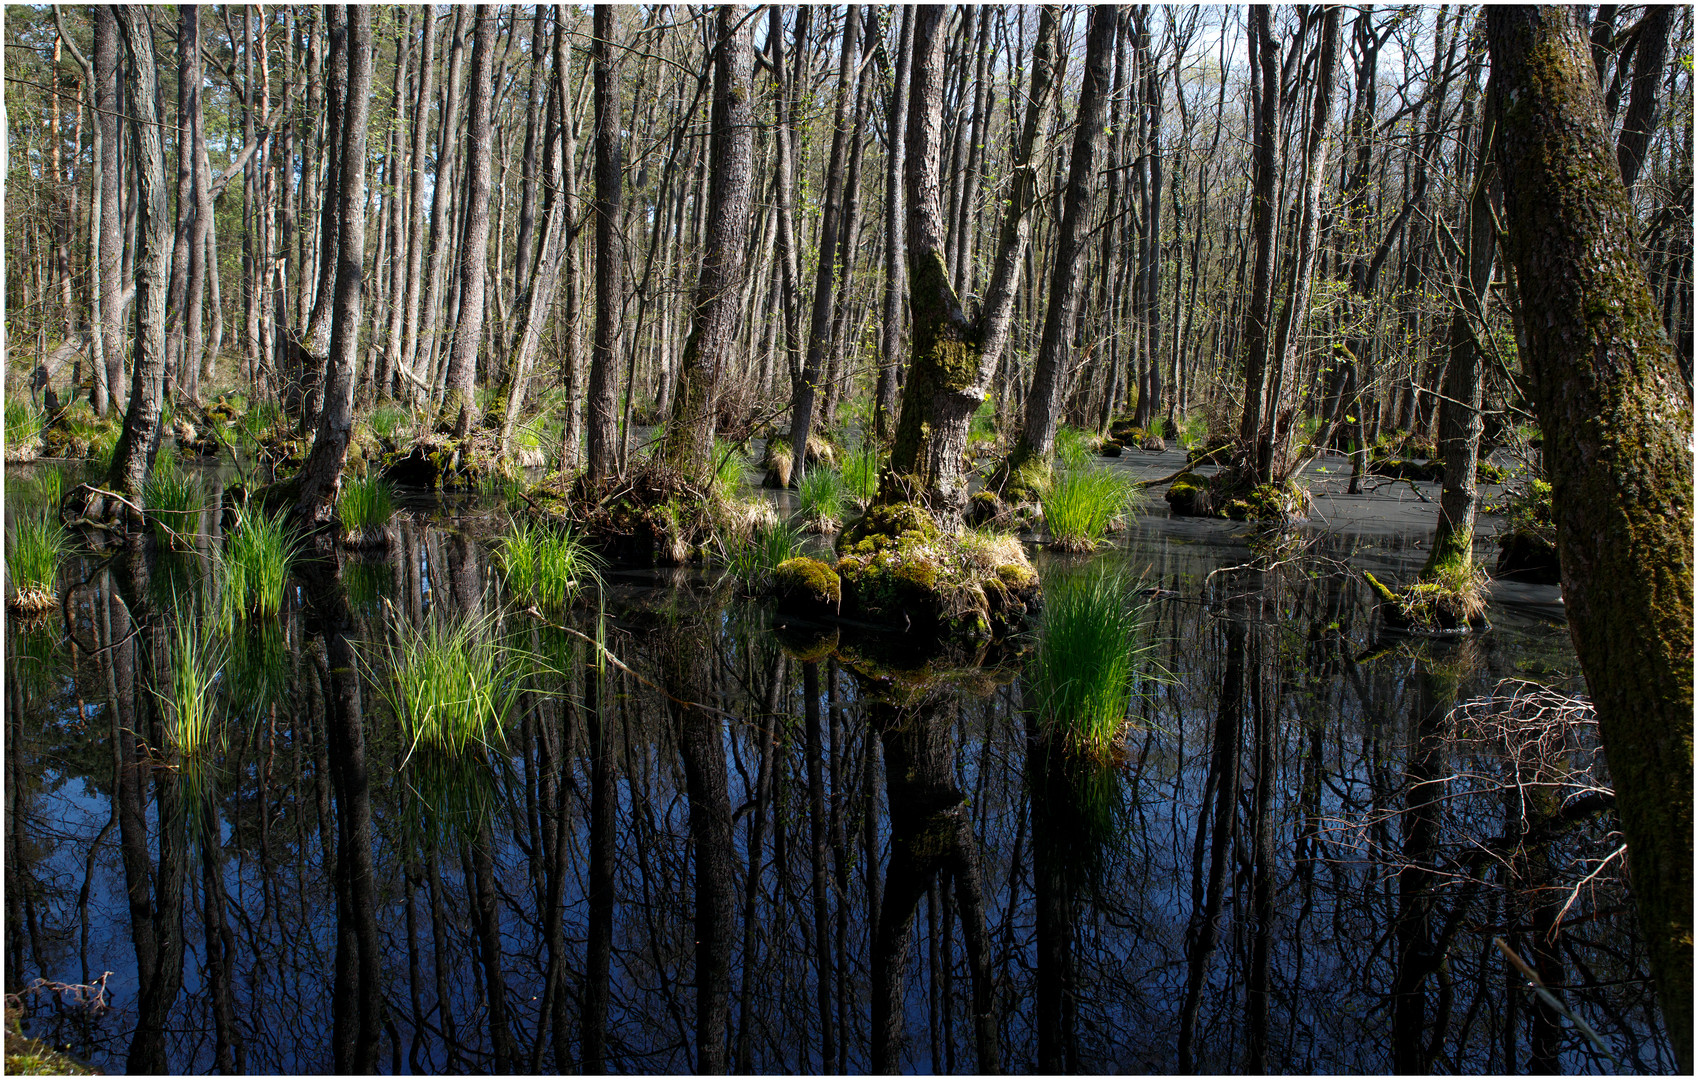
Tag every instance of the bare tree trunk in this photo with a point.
(1641, 120)
(111, 213)
(1616, 415)
(1272, 437)
(895, 269)
(474, 254)
(1037, 439)
(1264, 58)
(688, 441)
(441, 232)
(609, 256)
(321, 477)
(139, 440)
(407, 361)
(1459, 410)
(830, 252)
(952, 359)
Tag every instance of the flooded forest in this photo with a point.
(848, 539)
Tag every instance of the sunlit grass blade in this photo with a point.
(754, 560)
(187, 691)
(33, 554)
(544, 566)
(365, 509)
(173, 500)
(820, 498)
(1088, 653)
(1081, 504)
(453, 682)
(258, 555)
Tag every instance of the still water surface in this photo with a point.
(776, 849)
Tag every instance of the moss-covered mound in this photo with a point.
(1204, 454)
(654, 517)
(1111, 448)
(1188, 495)
(33, 1057)
(1192, 494)
(1450, 602)
(437, 460)
(806, 587)
(899, 569)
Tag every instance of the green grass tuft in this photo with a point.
(187, 694)
(821, 498)
(544, 566)
(173, 500)
(365, 503)
(1081, 503)
(38, 543)
(860, 473)
(23, 422)
(388, 420)
(754, 560)
(1072, 447)
(258, 554)
(1087, 656)
(453, 682)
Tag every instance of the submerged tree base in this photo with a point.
(1225, 496)
(898, 568)
(1452, 601)
(653, 517)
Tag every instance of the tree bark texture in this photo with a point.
(688, 442)
(609, 256)
(321, 477)
(1617, 418)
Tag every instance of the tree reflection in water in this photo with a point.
(713, 851)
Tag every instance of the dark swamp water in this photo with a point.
(746, 847)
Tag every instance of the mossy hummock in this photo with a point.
(807, 587)
(1194, 495)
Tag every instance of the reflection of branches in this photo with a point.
(78, 997)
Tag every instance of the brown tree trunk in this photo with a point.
(407, 361)
(111, 214)
(1264, 65)
(1049, 378)
(1617, 417)
(895, 269)
(952, 359)
(139, 440)
(830, 252)
(459, 401)
(609, 256)
(321, 477)
(688, 441)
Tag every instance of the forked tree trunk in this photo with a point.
(688, 441)
(1617, 418)
(953, 359)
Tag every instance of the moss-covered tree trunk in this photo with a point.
(688, 442)
(952, 359)
(1617, 419)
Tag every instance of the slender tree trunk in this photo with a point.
(895, 269)
(830, 253)
(442, 234)
(1263, 228)
(1616, 416)
(688, 441)
(321, 477)
(139, 440)
(111, 213)
(609, 256)
(1037, 439)
(474, 253)
(1459, 409)
(407, 362)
